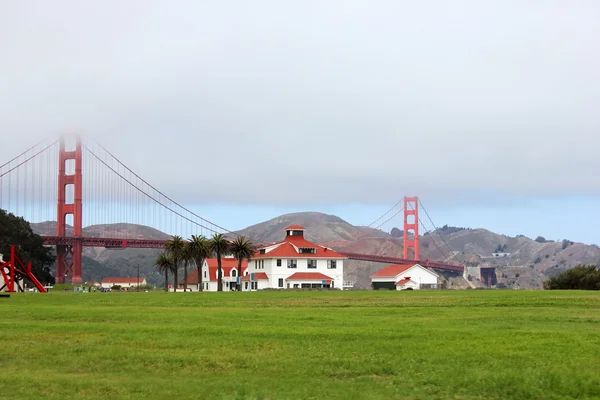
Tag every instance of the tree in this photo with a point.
(29, 246)
(242, 249)
(220, 246)
(198, 249)
(582, 277)
(176, 250)
(164, 264)
(395, 232)
(540, 239)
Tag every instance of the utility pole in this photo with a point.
(138, 279)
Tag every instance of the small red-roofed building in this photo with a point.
(295, 263)
(209, 275)
(123, 282)
(404, 276)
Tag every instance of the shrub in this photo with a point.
(582, 277)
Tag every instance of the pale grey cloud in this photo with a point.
(346, 101)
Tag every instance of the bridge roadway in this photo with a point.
(115, 243)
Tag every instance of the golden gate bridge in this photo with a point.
(68, 184)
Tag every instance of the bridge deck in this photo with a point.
(160, 244)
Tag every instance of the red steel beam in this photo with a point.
(104, 242)
(397, 260)
(160, 244)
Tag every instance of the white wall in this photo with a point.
(418, 274)
(282, 272)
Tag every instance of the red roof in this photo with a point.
(294, 228)
(309, 276)
(226, 263)
(123, 280)
(391, 271)
(289, 249)
(403, 281)
(257, 276)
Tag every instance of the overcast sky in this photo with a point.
(322, 105)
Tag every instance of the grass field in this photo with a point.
(295, 345)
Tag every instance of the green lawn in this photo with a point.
(301, 345)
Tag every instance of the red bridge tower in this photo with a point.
(412, 226)
(68, 257)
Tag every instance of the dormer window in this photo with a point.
(294, 230)
(307, 250)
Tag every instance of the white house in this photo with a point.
(296, 263)
(123, 282)
(209, 275)
(404, 276)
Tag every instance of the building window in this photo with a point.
(331, 264)
(312, 263)
(205, 274)
(233, 273)
(246, 285)
(263, 251)
(262, 264)
(307, 250)
(279, 263)
(280, 282)
(292, 263)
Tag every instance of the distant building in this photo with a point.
(209, 275)
(498, 255)
(404, 276)
(123, 282)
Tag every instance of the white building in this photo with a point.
(404, 276)
(209, 275)
(296, 263)
(123, 282)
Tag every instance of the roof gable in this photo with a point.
(309, 276)
(227, 265)
(393, 270)
(292, 247)
(123, 280)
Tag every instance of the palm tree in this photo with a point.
(242, 249)
(176, 250)
(164, 263)
(198, 249)
(220, 246)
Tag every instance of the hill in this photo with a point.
(526, 262)
(99, 262)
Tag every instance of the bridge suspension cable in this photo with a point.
(159, 197)
(439, 233)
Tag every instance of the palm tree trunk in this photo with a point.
(175, 278)
(199, 268)
(219, 274)
(239, 274)
(166, 280)
(185, 276)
